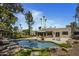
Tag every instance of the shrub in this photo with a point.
(37, 49)
(23, 53)
(65, 45)
(44, 53)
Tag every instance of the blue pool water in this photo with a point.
(36, 44)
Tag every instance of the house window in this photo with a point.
(49, 33)
(65, 33)
(57, 34)
(76, 33)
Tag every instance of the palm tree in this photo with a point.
(73, 26)
(45, 23)
(20, 26)
(41, 23)
(29, 20)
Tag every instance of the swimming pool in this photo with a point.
(36, 44)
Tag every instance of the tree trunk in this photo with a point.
(29, 28)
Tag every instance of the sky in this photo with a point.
(57, 14)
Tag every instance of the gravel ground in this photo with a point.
(74, 51)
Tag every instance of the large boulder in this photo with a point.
(4, 41)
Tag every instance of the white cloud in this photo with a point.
(37, 15)
(54, 23)
(21, 20)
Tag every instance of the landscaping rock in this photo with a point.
(7, 47)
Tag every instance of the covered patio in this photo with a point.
(44, 33)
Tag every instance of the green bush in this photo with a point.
(65, 45)
(44, 53)
(37, 49)
(23, 53)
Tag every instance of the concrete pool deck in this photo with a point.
(56, 40)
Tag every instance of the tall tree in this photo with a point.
(73, 27)
(15, 31)
(7, 11)
(15, 28)
(7, 14)
(29, 20)
(20, 27)
(26, 31)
